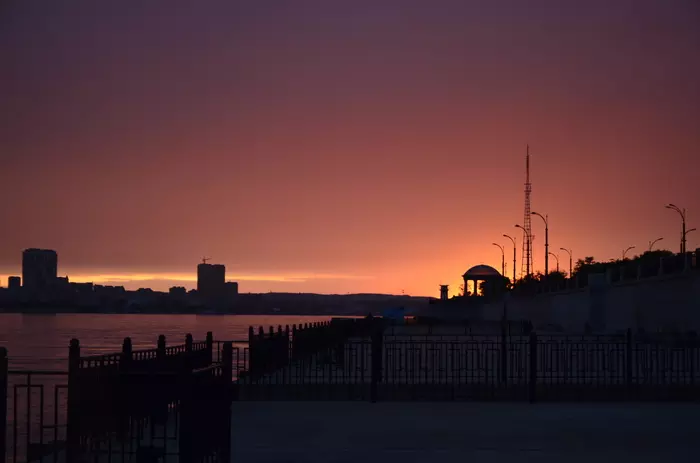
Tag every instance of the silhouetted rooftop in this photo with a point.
(481, 271)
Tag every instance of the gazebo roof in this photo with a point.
(481, 272)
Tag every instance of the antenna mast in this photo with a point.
(527, 222)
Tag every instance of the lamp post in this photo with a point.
(513, 240)
(624, 253)
(529, 238)
(556, 257)
(571, 258)
(686, 260)
(681, 212)
(503, 258)
(652, 243)
(546, 241)
(688, 231)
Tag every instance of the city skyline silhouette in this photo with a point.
(337, 148)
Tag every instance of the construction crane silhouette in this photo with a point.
(205, 259)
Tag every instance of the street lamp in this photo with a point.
(503, 258)
(681, 212)
(685, 259)
(546, 241)
(571, 258)
(652, 243)
(529, 238)
(624, 253)
(556, 257)
(513, 240)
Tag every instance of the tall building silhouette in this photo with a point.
(526, 266)
(39, 269)
(211, 281)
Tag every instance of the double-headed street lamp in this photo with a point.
(546, 241)
(681, 212)
(513, 240)
(556, 257)
(652, 243)
(571, 258)
(503, 258)
(624, 253)
(529, 239)
(688, 231)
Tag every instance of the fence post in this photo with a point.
(532, 393)
(125, 385)
(210, 347)
(229, 394)
(73, 410)
(227, 362)
(377, 350)
(3, 401)
(279, 348)
(261, 348)
(504, 351)
(160, 353)
(127, 354)
(628, 359)
(251, 349)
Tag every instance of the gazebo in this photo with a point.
(479, 273)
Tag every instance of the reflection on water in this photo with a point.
(41, 341)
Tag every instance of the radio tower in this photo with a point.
(527, 222)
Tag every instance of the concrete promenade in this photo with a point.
(446, 432)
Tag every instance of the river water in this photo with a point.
(41, 342)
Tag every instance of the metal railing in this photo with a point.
(120, 404)
(35, 424)
(489, 367)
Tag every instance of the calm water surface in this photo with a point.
(41, 341)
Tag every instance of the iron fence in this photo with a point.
(36, 414)
(488, 367)
(165, 404)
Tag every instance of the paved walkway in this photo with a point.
(309, 432)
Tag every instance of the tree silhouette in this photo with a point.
(494, 287)
(649, 262)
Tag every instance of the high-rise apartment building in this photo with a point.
(39, 269)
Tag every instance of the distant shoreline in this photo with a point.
(201, 314)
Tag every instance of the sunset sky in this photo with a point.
(341, 146)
